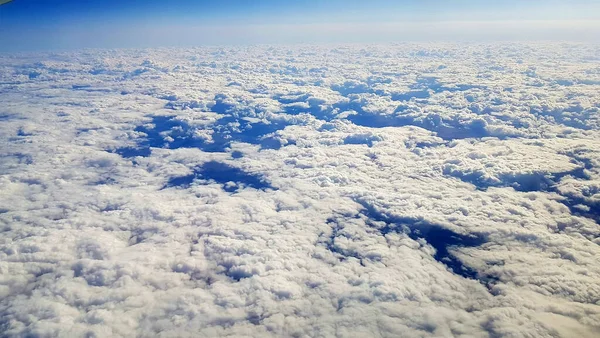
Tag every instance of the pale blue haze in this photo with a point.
(62, 24)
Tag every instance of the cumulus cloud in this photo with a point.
(389, 190)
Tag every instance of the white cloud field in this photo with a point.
(415, 190)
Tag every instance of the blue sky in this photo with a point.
(63, 24)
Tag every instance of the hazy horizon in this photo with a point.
(51, 25)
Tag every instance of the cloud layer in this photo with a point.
(348, 190)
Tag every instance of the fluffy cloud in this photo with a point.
(397, 190)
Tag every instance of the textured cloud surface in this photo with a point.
(305, 191)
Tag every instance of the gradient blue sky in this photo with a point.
(64, 24)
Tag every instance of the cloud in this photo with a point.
(389, 190)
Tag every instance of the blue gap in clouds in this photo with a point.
(446, 129)
(296, 105)
(525, 182)
(424, 86)
(439, 237)
(231, 128)
(420, 90)
(331, 245)
(225, 130)
(591, 210)
(220, 106)
(574, 117)
(180, 131)
(224, 174)
(351, 87)
(10, 116)
(88, 88)
(417, 94)
(432, 83)
(538, 181)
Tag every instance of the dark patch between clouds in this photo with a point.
(582, 207)
(574, 117)
(331, 245)
(89, 88)
(233, 127)
(129, 152)
(525, 182)
(352, 87)
(8, 117)
(446, 129)
(425, 86)
(536, 181)
(367, 139)
(220, 106)
(170, 133)
(18, 158)
(433, 84)
(297, 104)
(407, 96)
(579, 206)
(421, 89)
(231, 178)
(239, 130)
(442, 239)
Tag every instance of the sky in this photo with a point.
(63, 24)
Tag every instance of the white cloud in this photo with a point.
(413, 190)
